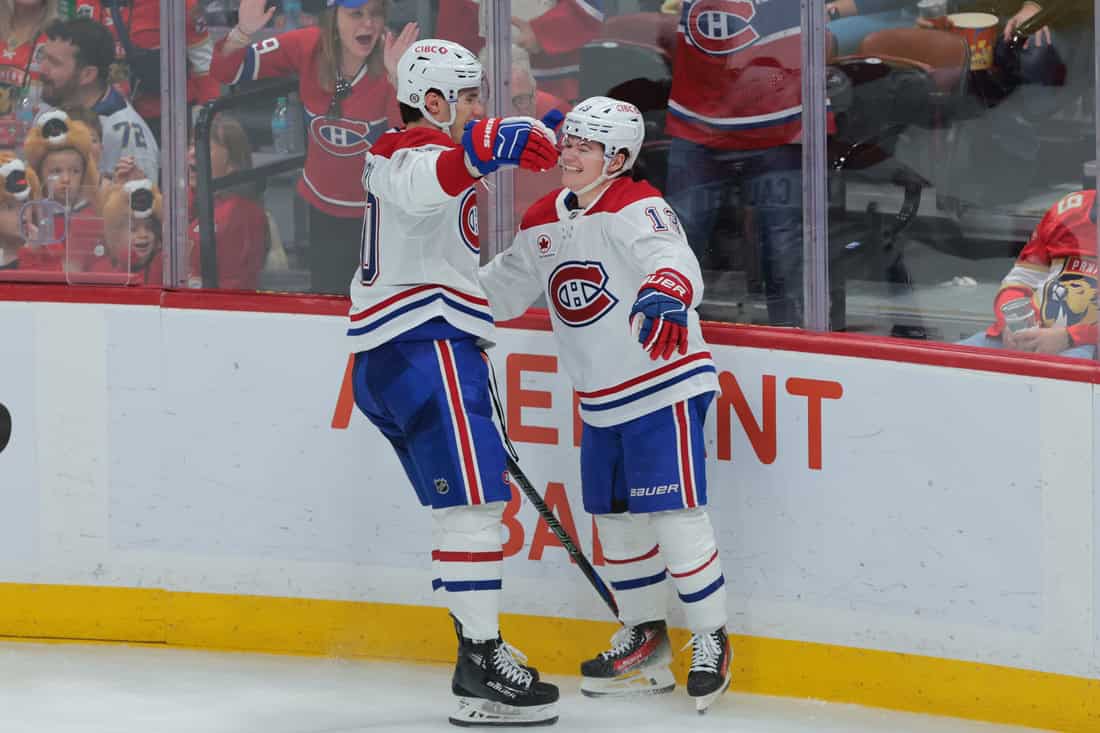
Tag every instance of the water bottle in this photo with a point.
(280, 128)
(26, 108)
(292, 11)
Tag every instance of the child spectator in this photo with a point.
(239, 219)
(60, 151)
(18, 185)
(132, 217)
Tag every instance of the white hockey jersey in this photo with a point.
(590, 264)
(125, 132)
(420, 249)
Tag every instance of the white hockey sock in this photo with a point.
(689, 549)
(634, 566)
(468, 558)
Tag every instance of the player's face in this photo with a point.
(361, 28)
(58, 72)
(581, 162)
(64, 170)
(468, 107)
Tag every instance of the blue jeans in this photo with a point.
(767, 186)
(1084, 351)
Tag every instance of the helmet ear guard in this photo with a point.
(442, 66)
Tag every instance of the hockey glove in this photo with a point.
(660, 314)
(498, 141)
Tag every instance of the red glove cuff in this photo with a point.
(671, 283)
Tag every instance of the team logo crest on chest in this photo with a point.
(578, 292)
(720, 27)
(345, 138)
(467, 221)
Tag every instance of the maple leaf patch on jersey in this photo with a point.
(720, 27)
(578, 292)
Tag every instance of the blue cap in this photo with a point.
(346, 3)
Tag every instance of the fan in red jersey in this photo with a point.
(342, 65)
(1047, 301)
(22, 23)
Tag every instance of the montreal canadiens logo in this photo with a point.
(720, 27)
(467, 222)
(579, 294)
(345, 138)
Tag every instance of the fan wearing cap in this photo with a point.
(611, 259)
(18, 186)
(348, 99)
(132, 217)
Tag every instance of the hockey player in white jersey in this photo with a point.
(418, 313)
(622, 285)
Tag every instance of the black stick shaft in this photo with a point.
(567, 542)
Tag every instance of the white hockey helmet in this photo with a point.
(614, 124)
(436, 64)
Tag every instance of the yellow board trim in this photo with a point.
(801, 669)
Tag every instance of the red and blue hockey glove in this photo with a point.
(498, 141)
(660, 314)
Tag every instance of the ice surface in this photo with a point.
(106, 688)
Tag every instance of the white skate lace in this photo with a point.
(621, 643)
(706, 652)
(507, 660)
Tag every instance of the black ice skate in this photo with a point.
(710, 668)
(636, 664)
(494, 688)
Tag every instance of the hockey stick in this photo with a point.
(563, 536)
(544, 511)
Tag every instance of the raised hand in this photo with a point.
(660, 313)
(252, 16)
(393, 46)
(497, 141)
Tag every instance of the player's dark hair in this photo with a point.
(93, 42)
(409, 114)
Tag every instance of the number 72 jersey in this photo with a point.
(589, 264)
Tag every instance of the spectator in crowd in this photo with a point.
(1047, 301)
(21, 25)
(137, 69)
(18, 185)
(132, 216)
(61, 152)
(551, 31)
(239, 219)
(76, 60)
(343, 66)
(735, 121)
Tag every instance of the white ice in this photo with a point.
(104, 688)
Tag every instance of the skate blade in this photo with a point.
(703, 702)
(476, 711)
(652, 681)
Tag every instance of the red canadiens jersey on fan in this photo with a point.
(736, 75)
(1057, 270)
(332, 180)
(561, 27)
(420, 241)
(590, 265)
(17, 69)
(143, 22)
